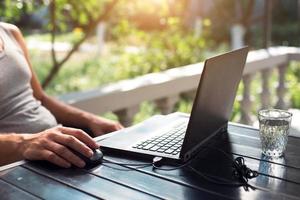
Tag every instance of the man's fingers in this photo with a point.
(119, 127)
(50, 156)
(81, 135)
(55, 159)
(65, 153)
(74, 143)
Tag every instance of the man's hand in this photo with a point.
(54, 145)
(100, 126)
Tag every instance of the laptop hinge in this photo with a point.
(190, 154)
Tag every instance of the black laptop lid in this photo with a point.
(214, 100)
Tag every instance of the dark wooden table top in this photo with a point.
(278, 178)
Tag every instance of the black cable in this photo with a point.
(240, 171)
(127, 164)
(243, 173)
(155, 166)
(126, 167)
(207, 177)
(214, 179)
(240, 168)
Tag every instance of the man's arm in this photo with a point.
(65, 114)
(10, 148)
(53, 145)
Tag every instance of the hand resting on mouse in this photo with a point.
(92, 161)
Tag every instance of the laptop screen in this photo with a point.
(214, 100)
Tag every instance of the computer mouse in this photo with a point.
(94, 160)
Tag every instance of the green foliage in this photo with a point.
(142, 38)
(147, 14)
(84, 71)
(286, 34)
(12, 10)
(147, 109)
(293, 80)
(71, 14)
(142, 52)
(132, 52)
(70, 37)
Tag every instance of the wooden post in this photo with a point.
(166, 105)
(189, 94)
(126, 115)
(100, 32)
(237, 30)
(198, 27)
(237, 33)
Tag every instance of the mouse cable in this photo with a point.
(126, 164)
(159, 161)
(240, 170)
(218, 181)
(214, 179)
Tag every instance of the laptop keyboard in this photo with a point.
(168, 143)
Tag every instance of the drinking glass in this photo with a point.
(274, 125)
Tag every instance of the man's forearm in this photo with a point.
(65, 114)
(10, 145)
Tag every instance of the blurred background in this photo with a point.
(78, 45)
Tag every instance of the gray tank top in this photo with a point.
(20, 112)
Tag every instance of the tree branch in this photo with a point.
(53, 30)
(88, 32)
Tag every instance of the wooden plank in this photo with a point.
(284, 168)
(281, 179)
(10, 192)
(275, 178)
(289, 159)
(290, 154)
(154, 185)
(91, 184)
(291, 175)
(266, 62)
(41, 186)
(277, 168)
(249, 138)
(188, 178)
(12, 165)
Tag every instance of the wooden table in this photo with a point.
(278, 179)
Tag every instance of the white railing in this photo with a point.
(164, 88)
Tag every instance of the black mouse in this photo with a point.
(94, 160)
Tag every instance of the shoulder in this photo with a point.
(10, 28)
(14, 31)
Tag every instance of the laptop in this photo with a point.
(181, 139)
